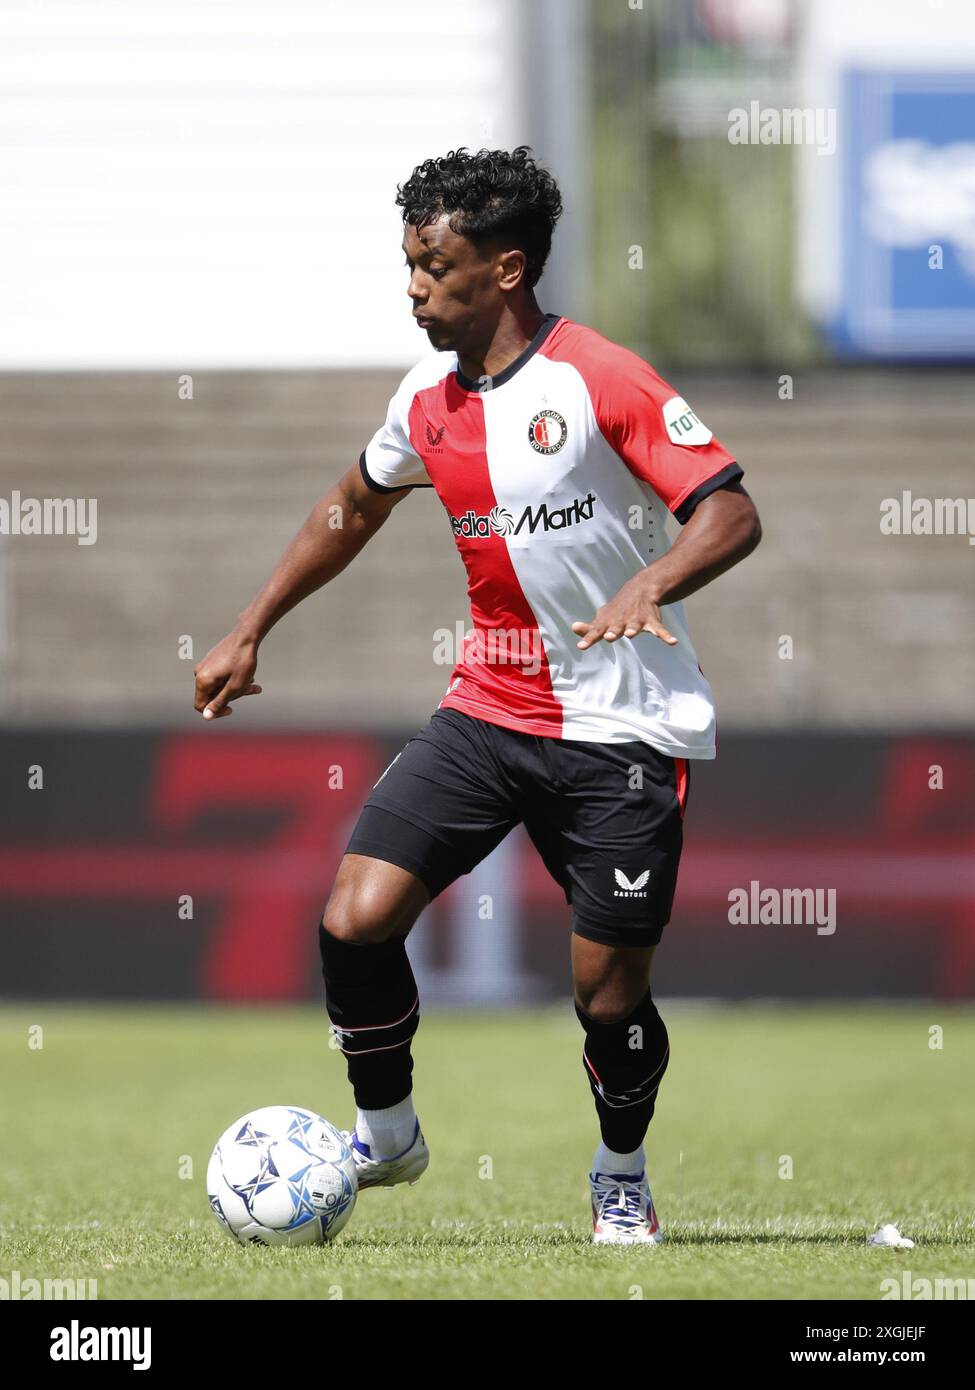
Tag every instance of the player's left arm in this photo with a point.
(723, 528)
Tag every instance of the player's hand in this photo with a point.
(225, 674)
(631, 611)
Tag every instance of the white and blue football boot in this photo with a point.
(622, 1210)
(406, 1166)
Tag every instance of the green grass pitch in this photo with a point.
(104, 1120)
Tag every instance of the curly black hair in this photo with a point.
(494, 195)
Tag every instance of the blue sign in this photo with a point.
(908, 215)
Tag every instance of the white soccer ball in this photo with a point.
(282, 1176)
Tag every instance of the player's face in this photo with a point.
(453, 286)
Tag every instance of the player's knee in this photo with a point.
(351, 924)
(608, 1005)
(358, 916)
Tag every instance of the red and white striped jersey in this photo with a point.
(556, 475)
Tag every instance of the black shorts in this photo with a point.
(605, 817)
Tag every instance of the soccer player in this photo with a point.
(577, 705)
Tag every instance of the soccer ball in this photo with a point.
(282, 1176)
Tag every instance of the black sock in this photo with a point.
(625, 1062)
(371, 999)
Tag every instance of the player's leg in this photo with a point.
(614, 842)
(626, 1049)
(609, 980)
(625, 1055)
(372, 1001)
(440, 807)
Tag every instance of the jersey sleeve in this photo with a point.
(389, 462)
(659, 437)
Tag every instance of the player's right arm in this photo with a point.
(337, 528)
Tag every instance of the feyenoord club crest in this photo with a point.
(547, 432)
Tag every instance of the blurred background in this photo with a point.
(204, 314)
